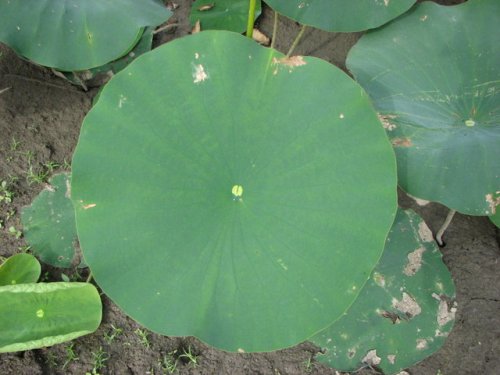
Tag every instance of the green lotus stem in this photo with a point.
(251, 18)
(296, 41)
(275, 29)
(447, 221)
(89, 277)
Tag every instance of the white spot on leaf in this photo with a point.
(199, 74)
(371, 358)
(421, 344)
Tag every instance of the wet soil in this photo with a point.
(40, 117)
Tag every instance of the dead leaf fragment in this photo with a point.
(394, 318)
(291, 61)
(446, 313)
(196, 27)
(424, 232)
(414, 262)
(493, 202)
(371, 358)
(386, 121)
(260, 37)
(206, 7)
(401, 142)
(68, 189)
(407, 305)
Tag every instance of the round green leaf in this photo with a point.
(341, 15)
(405, 311)
(75, 35)
(38, 315)
(243, 200)
(229, 15)
(49, 224)
(434, 77)
(19, 269)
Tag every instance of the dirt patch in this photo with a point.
(40, 118)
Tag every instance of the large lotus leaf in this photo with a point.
(19, 269)
(244, 199)
(73, 35)
(229, 15)
(341, 15)
(434, 75)
(38, 315)
(405, 311)
(49, 224)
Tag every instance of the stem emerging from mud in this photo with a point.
(89, 277)
(447, 221)
(251, 18)
(296, 41)
(275, 28)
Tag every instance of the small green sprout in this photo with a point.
(24, 249)
(10, 214)
(36, 177)
(70, 355)
(15, 232)
(168, 364)
(143, 337)
(114, 333)
(14, 145)
(50, 359)
(50, 166)
(6, 194)
(308, 365)
(100, 357)
(189, 357)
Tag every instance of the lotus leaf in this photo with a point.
(341, 15)
(72, 35)
(433, 75)
(244, 199)
(405, 311)
(38, 315)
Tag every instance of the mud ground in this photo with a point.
(40, 117)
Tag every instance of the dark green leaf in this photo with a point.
(243, 200)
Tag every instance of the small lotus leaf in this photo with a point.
(49, 224)
(229, 15)
(405, 311)
(341, 15)
(433, 75)
(19, 269)
(38, 315)
(72, 35)
(243, 200)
